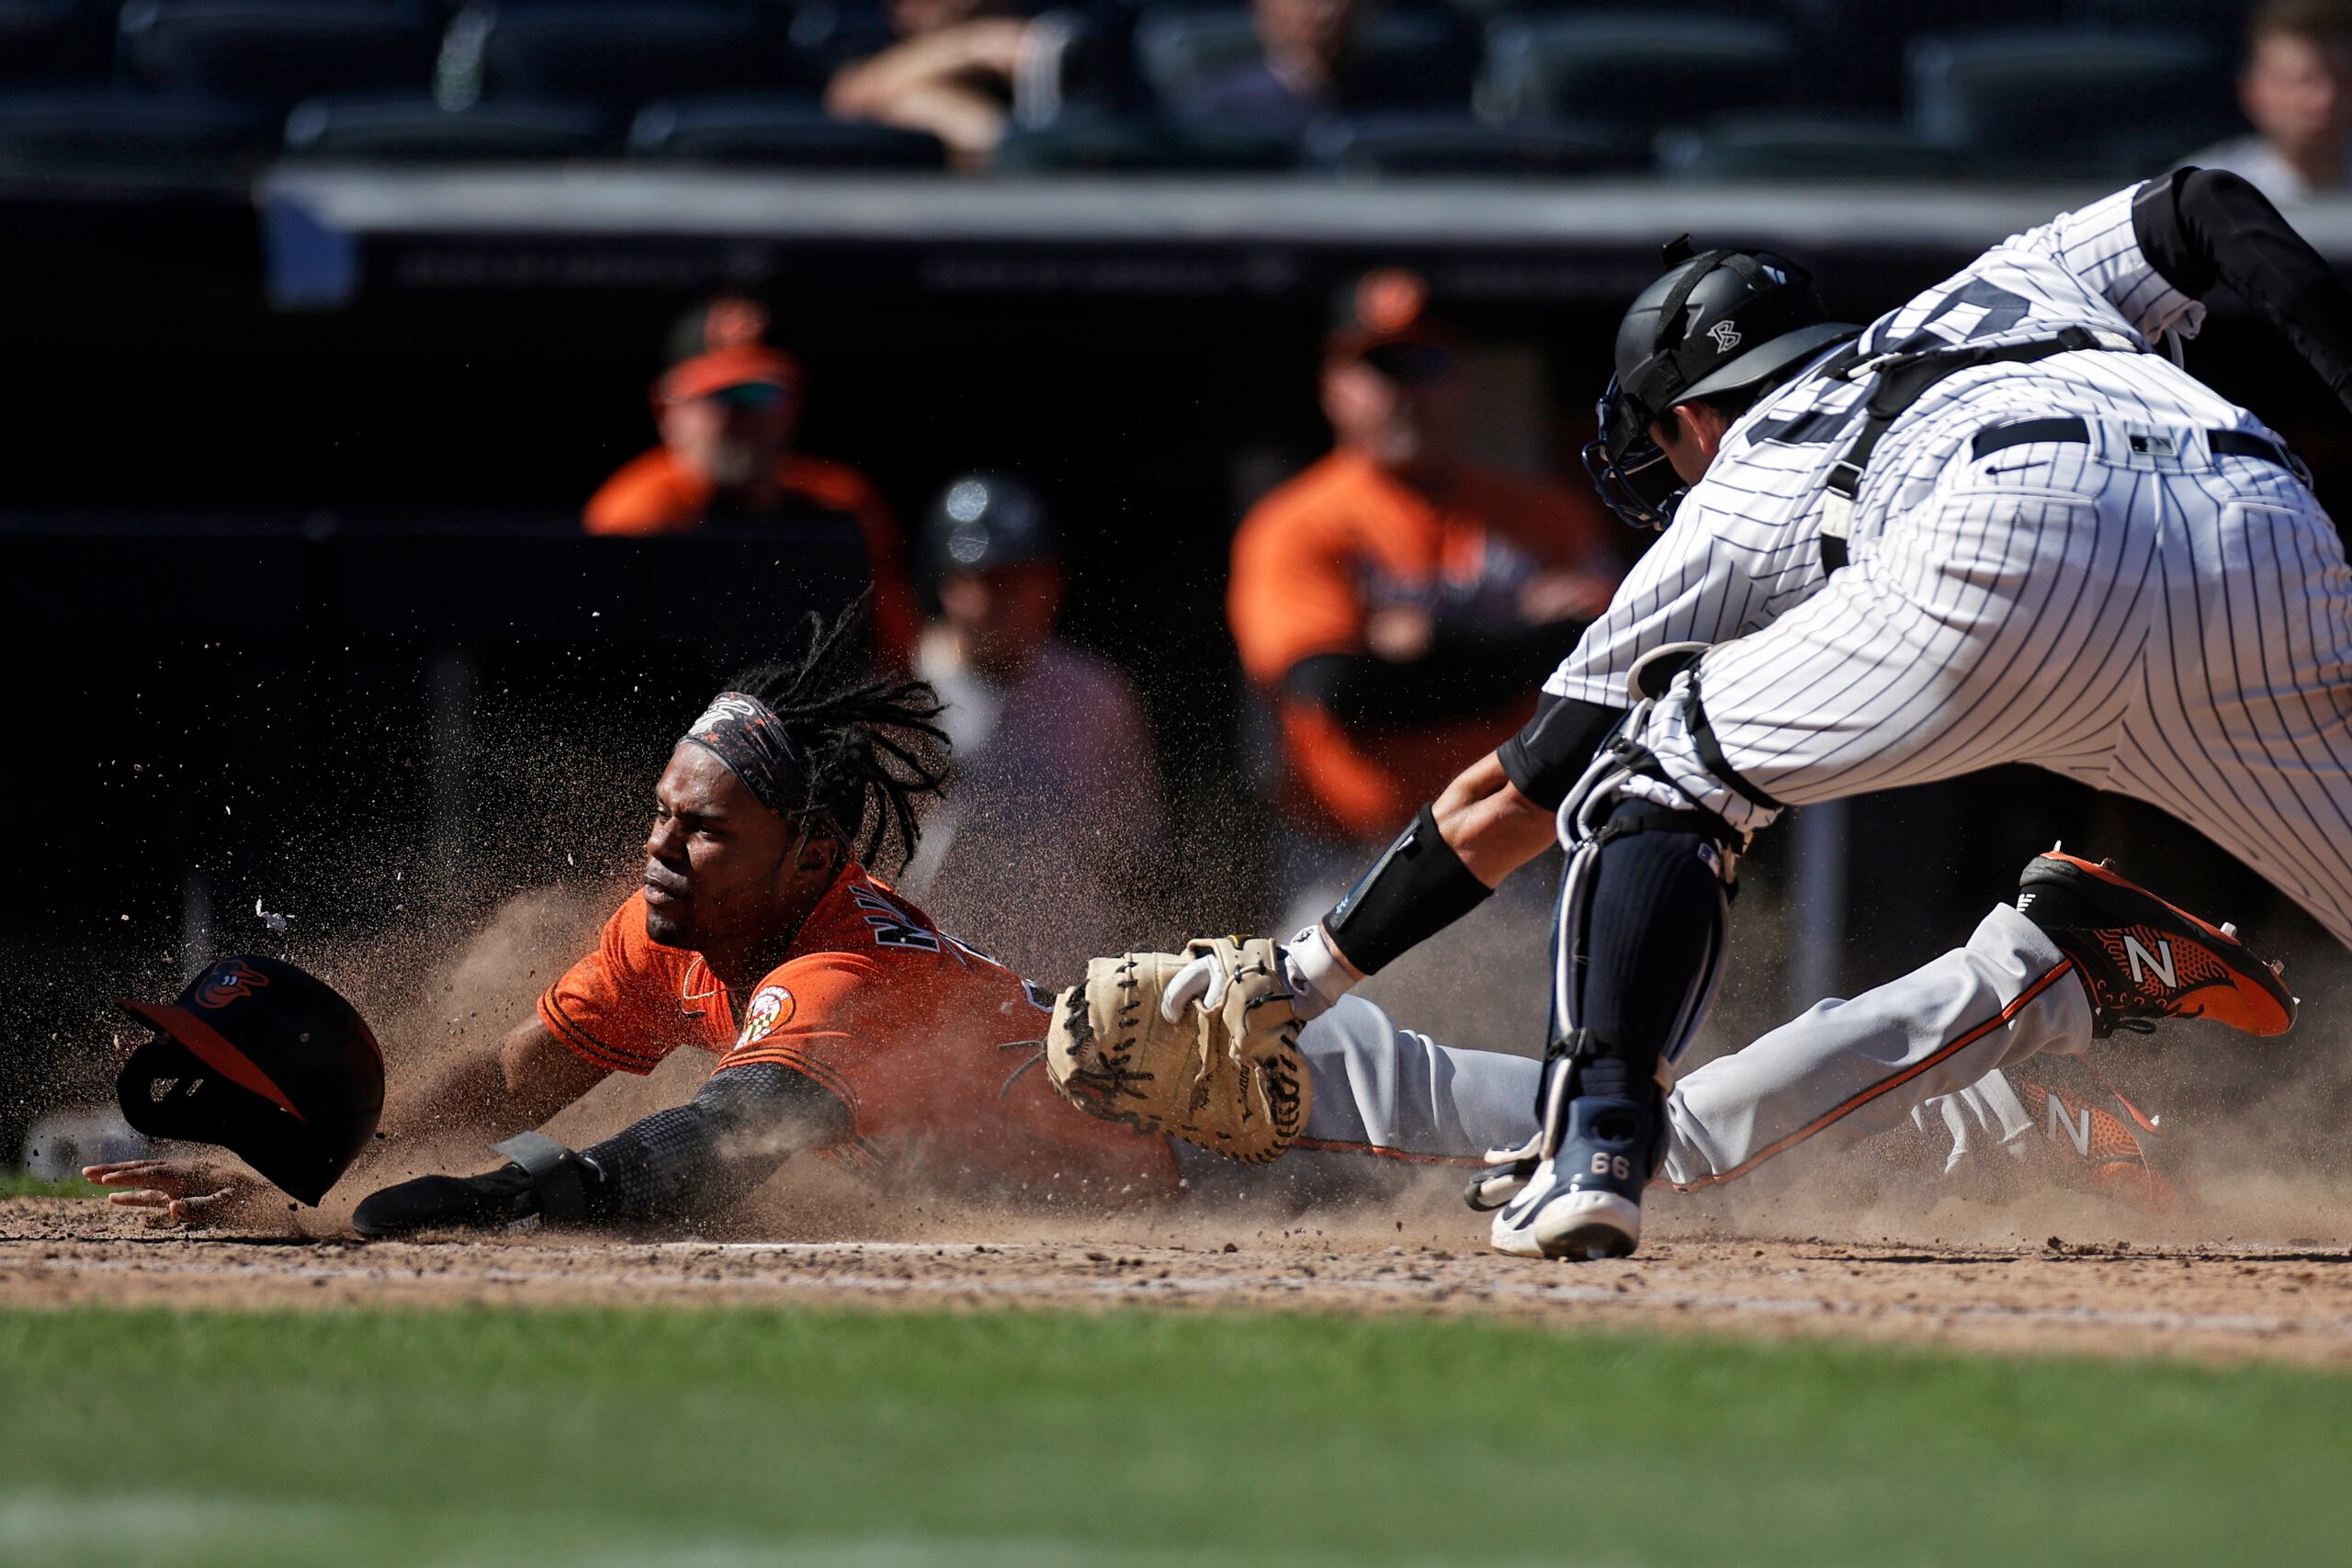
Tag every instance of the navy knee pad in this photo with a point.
(1643, 946)
(1657, 900)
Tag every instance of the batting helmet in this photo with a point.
(985, 520)
(267, 1062)
(1719, 324)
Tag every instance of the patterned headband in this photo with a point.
(747, 736)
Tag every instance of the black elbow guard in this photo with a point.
(1544, 760)
(2203, 227)
(2164, 234)
(1414, 891)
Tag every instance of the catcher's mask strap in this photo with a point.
(746, 735)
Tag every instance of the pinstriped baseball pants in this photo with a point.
(2179, 630)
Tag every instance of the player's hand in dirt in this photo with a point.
(184, 1191)
(496, 1197)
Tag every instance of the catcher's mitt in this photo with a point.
(1224, 1072)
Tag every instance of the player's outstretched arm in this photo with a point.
(521, 1082)
(694, 1159)
(1493, 819)
(2200, 227)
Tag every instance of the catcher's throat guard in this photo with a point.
(264, 1060)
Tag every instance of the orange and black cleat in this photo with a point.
(2143, 959)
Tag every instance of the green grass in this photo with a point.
(18, 1184)
(593, 1439)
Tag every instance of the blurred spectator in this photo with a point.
(726, 320)
(952, 73)
(1055, 799)
(728, 417)
(1398, 605)
(2297, 89)
(1311, 66)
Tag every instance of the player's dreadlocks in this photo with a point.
(871, 746)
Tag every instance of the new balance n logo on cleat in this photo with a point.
(2143, 959)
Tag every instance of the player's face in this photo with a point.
(1396, 422)
(1317, 28)
(1691, 440)
(720, 873)
(2299, 95)
(1003, 616)
(730, 439)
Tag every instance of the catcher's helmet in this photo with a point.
(982, 521)
(267, 1062)
(1719, 324)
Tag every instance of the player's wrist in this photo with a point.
(1416, 889)
(1316, 972)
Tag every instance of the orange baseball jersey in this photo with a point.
(650, 494)
(1320, 554)
(934, 1050)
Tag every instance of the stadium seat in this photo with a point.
(2221, 23)
(1854, 49)
(612, 52)
(1803, 147)
(53, 40)
(785, 132)
(1377, 146)
(1178, 50)
(1646, 70)
(99, 131)
(1085, 144)
(826, 34)
(418, 130)
(278, 52)
(2063, 101)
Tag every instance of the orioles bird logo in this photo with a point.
(225, 985)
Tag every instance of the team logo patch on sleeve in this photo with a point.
(772, 1006)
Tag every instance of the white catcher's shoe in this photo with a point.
(1552, 1219)
(1585, 1201)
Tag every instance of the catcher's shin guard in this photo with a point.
(1629, 992)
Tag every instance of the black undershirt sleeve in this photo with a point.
(1468, 671)
(1551, 750)
(708, 1154)
(2200, 227)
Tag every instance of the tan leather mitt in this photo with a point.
(1225, 1073)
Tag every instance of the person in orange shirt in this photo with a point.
(728, 417)
(1397, 604)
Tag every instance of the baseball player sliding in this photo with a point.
(2001, 524)
(845, 1023)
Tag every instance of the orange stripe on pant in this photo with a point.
(2065, 966)
(1340, 1145)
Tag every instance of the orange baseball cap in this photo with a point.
(1383, 321)
(736, 365)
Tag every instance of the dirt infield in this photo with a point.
(2217, 1300)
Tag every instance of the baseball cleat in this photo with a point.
(1585, 1202)
(2143, 959)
